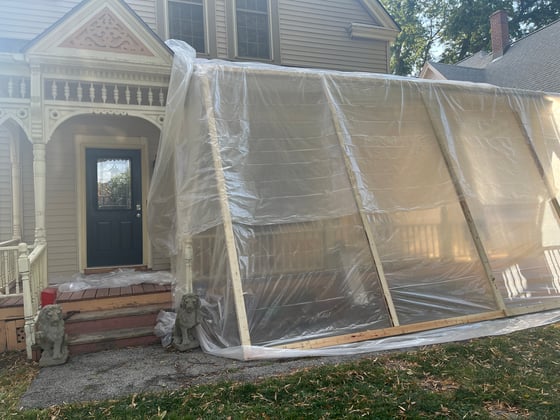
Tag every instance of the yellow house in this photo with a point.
(83, 90)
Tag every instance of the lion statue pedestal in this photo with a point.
(187, 319)
(50, 336)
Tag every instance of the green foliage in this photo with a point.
(512, 376)
(457, 28)
(467, 29)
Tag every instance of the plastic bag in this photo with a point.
(164, 327)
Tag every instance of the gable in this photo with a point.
(101, 30)
(384, 27)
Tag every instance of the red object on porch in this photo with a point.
(48, 296)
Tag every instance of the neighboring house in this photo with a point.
(83, 87)
(533, 62)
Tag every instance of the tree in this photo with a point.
(457, 28)
(420, 23)
(533, 14)
(467, 27)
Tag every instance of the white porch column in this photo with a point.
(16, 188)
(39, 152)
(40, 177)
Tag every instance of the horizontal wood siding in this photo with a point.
(61, 212)
(5, 186)
(314, 34)
(27, 19)
(146, 9)
(221, 29)
(159, 261)
(28, 190)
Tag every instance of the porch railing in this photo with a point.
(10, 281)
(33, 272)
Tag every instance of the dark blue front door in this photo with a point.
(114, 207)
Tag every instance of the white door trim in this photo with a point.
(105, 142)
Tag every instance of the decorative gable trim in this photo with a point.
(106, 32)
(98, 32)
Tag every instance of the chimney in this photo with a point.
(499, 32)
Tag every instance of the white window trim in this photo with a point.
(270, 35)
(206, 52)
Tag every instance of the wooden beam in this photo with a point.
(440, 137)
(388, 332)
(359, 202)
(233, 259)
(531, 145)
(547, 305)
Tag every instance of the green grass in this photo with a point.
(514, 376)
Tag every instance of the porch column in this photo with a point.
(16, 189)
(39, 147)
(39, 176)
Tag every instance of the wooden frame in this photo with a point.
(367, 227)
(465, 208)
(233, 259)
(396, 329)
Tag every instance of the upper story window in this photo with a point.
(253, 28)
(186, 22)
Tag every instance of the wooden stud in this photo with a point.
(530, 144)
(233, 260)
(440, 137)
(359, 202)
(546, 305)
(387, 332)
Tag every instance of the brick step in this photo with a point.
(107, 340)
(126, 318)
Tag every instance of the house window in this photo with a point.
(186, 22)
(252, 23)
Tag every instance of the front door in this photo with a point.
(114, 207)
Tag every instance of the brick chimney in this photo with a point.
(499, 32)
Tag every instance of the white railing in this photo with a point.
(33, 271)
(10, 282)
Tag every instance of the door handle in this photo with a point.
(138, 215)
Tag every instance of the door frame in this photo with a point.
(83, 142)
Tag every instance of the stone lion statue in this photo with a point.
(51, 337)
(185, 323)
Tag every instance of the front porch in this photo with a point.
(95, 318)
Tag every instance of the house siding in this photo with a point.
(323, 41)
(61, 209)
(27, 190)
(5, 186)
(29, 18)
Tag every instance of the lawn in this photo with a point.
(513, 376)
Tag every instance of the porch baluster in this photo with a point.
(29, 313)
(80, 92)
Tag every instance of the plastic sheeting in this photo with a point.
(310, 204)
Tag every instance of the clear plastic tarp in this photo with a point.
(312, 208)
